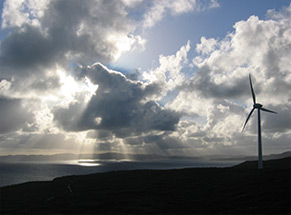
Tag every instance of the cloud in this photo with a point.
(119, 105)
(169, 75)
(219, 88)
(34, 142)
(206, 46)
(214, 4)
(18, 12)
(46, 39)
(226, 64)
(13, 115)
(280, 122)
(67, 31)
(159, 9)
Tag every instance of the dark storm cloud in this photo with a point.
(213, 139)
(204, 84)
(13, 115)
(100, 134)
(119, 105)
(83, 26)
(69, 117)
(23, 50)
(280, 122)
(163, 141)
(168, 142)
(68, 30)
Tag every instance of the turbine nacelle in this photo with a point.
(258, 106)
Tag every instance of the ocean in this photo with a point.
(16, 173)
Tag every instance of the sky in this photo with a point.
(165, 77)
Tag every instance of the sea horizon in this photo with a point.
(12, 173)
(25, 168)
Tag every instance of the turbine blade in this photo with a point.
(264, 109)
(248, 118)
(252, 89)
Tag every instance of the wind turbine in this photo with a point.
(259, 107)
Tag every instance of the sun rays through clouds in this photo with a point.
(63, 88)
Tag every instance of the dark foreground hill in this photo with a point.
(237, 190)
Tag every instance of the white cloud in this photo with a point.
(131, 3)
(214, 4)
(159, 9)
(219, 88)
(169, 75)
(19, 12)
(206, 46)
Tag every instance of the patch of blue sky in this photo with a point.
(3, 32)
(123, 69)
(201, 119)
(1, 9)
(171, 95)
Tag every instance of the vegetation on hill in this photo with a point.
(242, 189)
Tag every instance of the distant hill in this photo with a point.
(242, 189)
(268, 157)
(250, 158)
(283, 163)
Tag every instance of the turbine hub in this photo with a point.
(258, 106)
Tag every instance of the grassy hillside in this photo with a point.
(237, 190)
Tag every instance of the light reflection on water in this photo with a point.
(93, 162)
(88, 162)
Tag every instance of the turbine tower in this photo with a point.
(259, 107)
